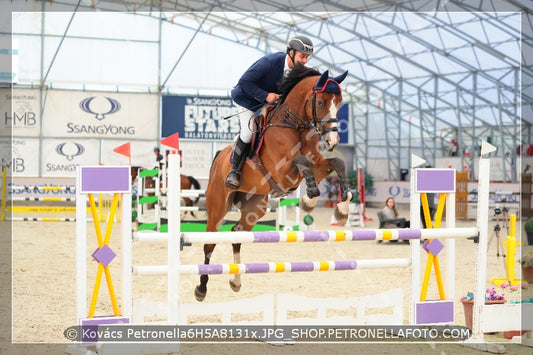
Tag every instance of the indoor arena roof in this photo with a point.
(463, 65)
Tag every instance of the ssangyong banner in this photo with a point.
(81, 114)
(20, 112)
(196, 117)
(60, 156)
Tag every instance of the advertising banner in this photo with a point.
(199, 117)
(60, 156)
(203, 118)
(20, 112)
(80, 114)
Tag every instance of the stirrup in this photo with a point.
(235, 176)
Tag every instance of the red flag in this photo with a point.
(124, 149)
(172, 141)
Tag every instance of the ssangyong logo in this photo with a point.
(85, 105)
(100, 107)
(70, 150)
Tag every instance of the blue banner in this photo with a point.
(202, 118)
(344, 125)
(197, 117)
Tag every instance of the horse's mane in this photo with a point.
(294, 76)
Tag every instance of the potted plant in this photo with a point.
(527, 266)
(528, 227)
(491, 297)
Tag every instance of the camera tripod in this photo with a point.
(497, 229)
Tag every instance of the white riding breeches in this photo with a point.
(247, 123)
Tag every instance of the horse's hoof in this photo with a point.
(340, 217)
(200, 296)
(235, 288)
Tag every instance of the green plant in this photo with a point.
(528, 226)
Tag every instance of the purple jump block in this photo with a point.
(89, 331)
(104, 320)
(95, 179)
(435, 180)
(435, 246)
(434, 312)
(104, 255)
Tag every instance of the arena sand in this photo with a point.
(44, 296)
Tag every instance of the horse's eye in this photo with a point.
(320, 103)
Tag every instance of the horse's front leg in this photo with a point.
(201, 290)
(343, 207)
(303, 166)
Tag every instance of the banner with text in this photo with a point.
(203, 118)
(199, 117)
(81, 114)
(20, 112)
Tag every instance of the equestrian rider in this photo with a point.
(256, 87)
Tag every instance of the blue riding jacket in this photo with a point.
(259, 80)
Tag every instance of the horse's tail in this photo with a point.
(196, 185)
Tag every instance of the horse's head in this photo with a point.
(326, 100)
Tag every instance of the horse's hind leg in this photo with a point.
(235, 283)
(252, 207)
(201, 290)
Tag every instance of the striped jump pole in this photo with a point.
(43, 199)
(42, 219)
(312, 236)
(274, 267)
(43, 188)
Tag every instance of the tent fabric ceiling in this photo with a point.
(467, 62)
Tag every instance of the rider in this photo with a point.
(257, 86)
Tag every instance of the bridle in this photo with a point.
(291, 120)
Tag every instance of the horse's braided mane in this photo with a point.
(294, 76)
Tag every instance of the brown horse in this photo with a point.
(189, 183)
(289, 152)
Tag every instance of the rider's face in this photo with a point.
(300, 57)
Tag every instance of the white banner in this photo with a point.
(25, 156)
(20, 112)
(100, 114)
(196, 158)
(142, 154)
(60, 156)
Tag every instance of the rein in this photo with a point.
(291, 120)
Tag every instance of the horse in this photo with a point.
(288, 153)
(188, 183)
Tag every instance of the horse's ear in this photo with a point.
(341, 77)
(322, 80)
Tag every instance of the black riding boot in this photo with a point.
(233, 180)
